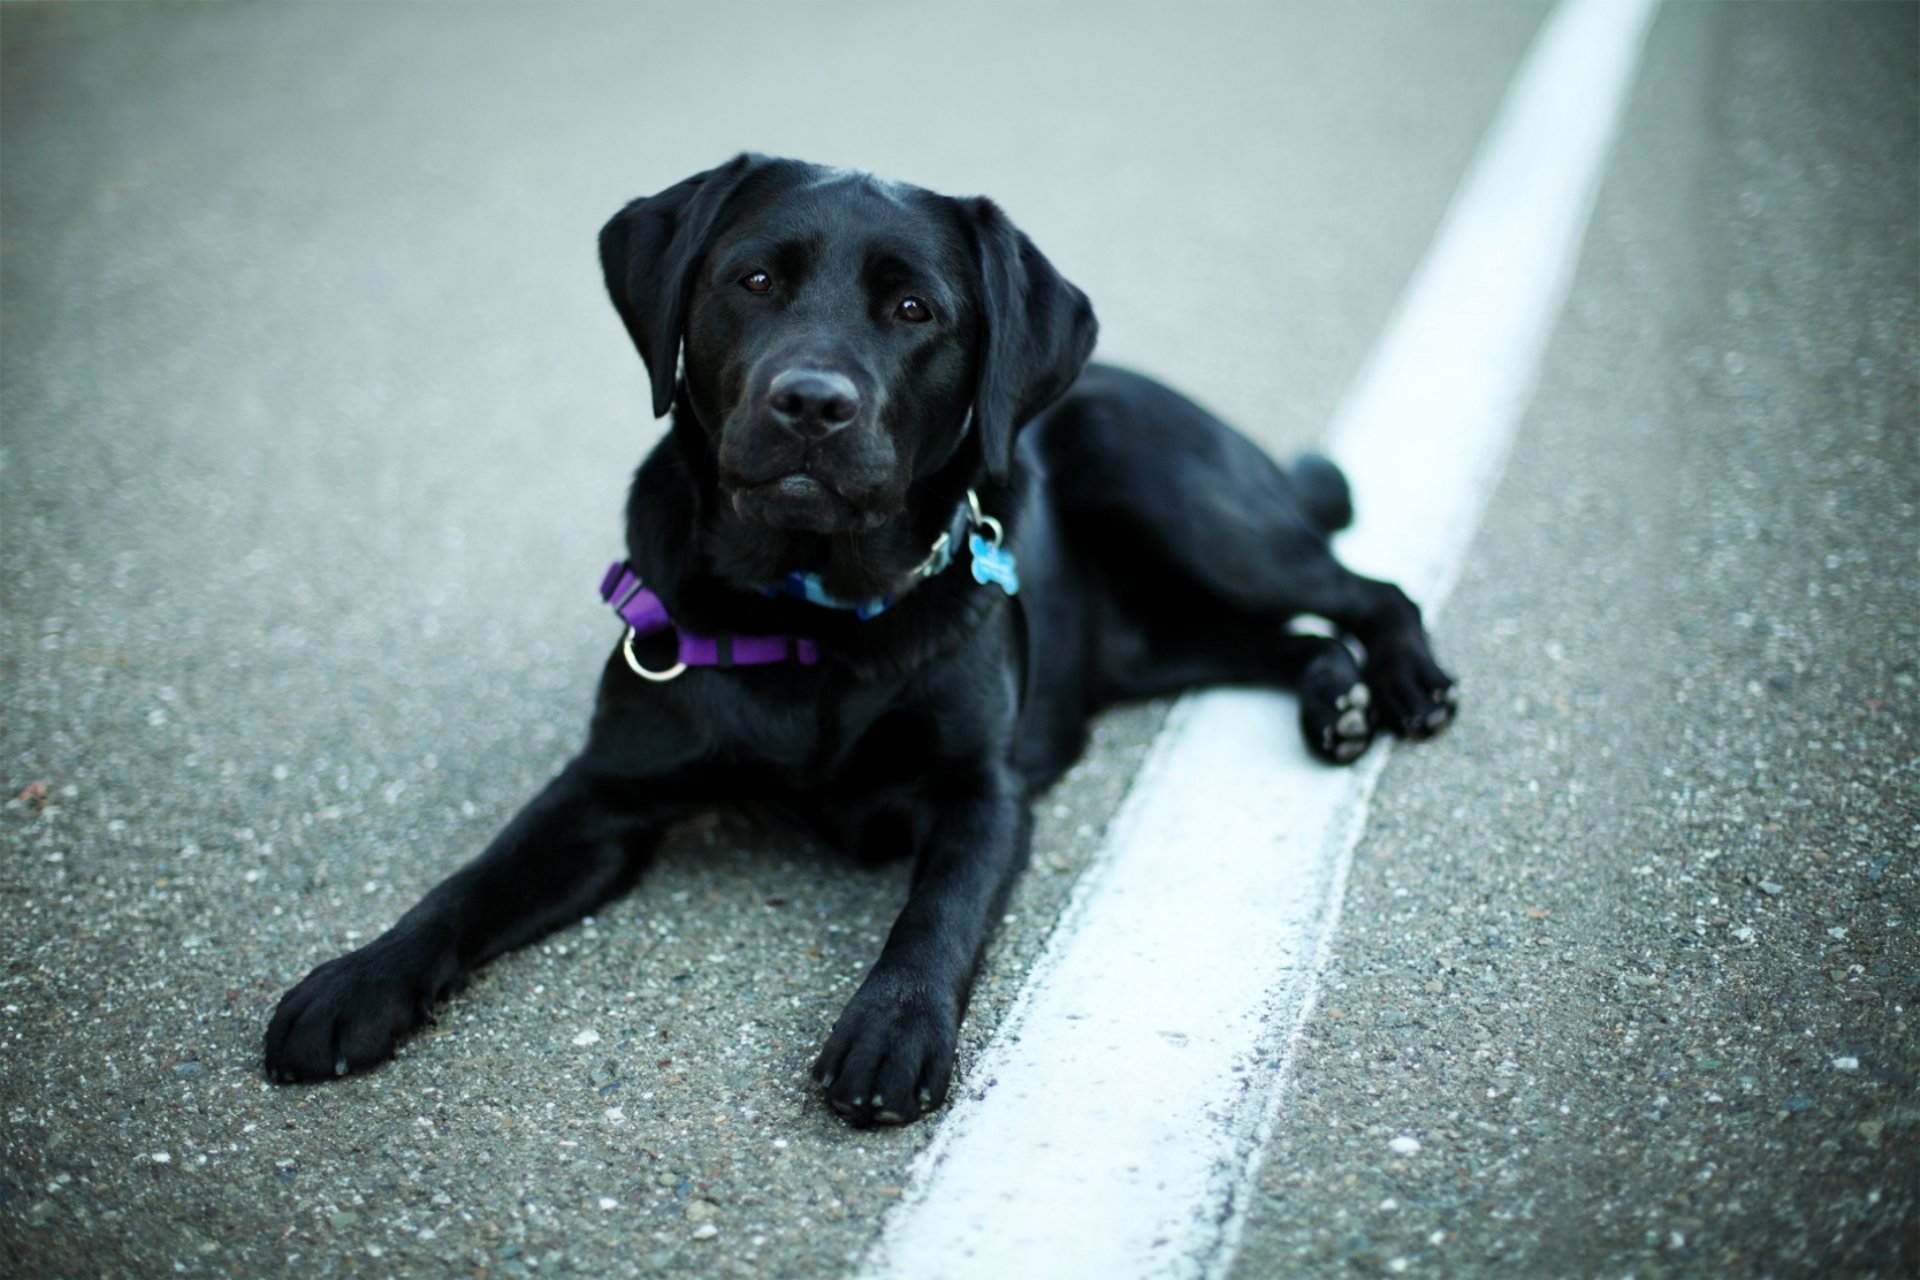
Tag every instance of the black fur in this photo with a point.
(826, 424)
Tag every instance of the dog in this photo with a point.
(899, 543)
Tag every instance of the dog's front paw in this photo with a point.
(890, 1056)
(1412, 696)
(349, 1013)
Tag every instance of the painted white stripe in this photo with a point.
(1130, 1092)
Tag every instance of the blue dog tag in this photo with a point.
(993, 563)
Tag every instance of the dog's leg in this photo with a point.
(1146, 477)
(1170, 655)
(1284, 570)
(1229, 582)
(1405, 689)
(1409, 693)
(580, 842)
(889, 1058)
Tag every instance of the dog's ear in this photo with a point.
(1037, 331)
(648, 252)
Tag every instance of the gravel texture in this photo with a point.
(1627, 977)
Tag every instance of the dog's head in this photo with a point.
(844, 337)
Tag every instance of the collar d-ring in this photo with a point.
(658, 677)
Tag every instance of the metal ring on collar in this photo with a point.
(658, 677)
(981, 520)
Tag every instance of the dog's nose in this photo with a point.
(813, 402)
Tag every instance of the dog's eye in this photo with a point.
(756, 282)
(913, 311)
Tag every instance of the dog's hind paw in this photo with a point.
(1412, 696)
(1342, 732)
(1334, 707)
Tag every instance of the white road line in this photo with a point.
(1112, 1127)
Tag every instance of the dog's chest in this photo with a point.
(799, 738)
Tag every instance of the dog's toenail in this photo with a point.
(339, 1066)
(1352, 724)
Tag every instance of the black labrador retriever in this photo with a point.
(899, 544)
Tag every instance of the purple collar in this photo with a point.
(644, 615)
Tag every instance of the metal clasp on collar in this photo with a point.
(658, 677)
(981, 520)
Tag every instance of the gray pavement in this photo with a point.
(1633, 957)
(314, 430)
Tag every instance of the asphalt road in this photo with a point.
(314, 431)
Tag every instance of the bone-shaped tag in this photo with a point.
(993, 563)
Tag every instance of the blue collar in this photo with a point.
(991, 563)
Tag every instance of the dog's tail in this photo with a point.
(1323, 492)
